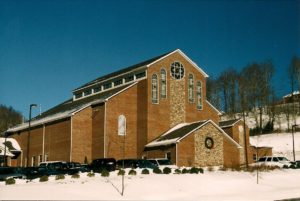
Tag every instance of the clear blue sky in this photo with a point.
(50, 47)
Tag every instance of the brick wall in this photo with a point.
(82, 135)
(98, 131)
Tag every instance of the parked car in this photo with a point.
(295, 164)
(274, 161)
(73, 167)
(135, 163)
(53, 168)
(162, 162)
(11, 172)
(85, 168)
(31, 172)
(100, 164)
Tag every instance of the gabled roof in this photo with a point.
(228, 123)
(179, 132)
(141, 65)
(70, 107)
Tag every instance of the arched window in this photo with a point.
(199, 95)
(154, 89)
(122, 125)
(163, 83)
(191, 88)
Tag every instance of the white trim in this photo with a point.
(186, 57)
(220, 129)
(219, 113)
(111, 78)
(115, 94)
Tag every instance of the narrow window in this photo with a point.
(199, 95)
(163, 83)
(154, 91)
(118, 82)
(191, 88)
(107, 86)
(122, 125)
(140, 75)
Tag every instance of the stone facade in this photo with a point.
(177, 101)
(203, 155)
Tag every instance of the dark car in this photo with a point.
(11, 172)
(53, 168)
(73, 167)
(135, 163)
(100, 164)
(295, 164)
(31, 172)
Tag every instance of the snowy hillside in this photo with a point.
(282, 143)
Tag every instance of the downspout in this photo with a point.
(176, 150)
(71, 138)
(43, 151)
(104, 134)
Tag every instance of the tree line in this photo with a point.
(251, 89)
(8, 117)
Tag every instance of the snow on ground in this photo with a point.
(282, 143)
(216, 185)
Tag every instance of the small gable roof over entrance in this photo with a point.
(177, 133)
(228, 123)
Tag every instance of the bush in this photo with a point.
(177, 171)
(167, 170)
(104, 173)
(44, 178)
(60, 176)
(121, 172)
(157, 170)
(210, 168)
(132, 172)
(10, 181)
(195, 170)
(90, 174)
(75, 176)
(185, 171)
(145, 171)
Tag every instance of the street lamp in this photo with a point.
(28, 137)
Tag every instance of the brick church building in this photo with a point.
(156, 108)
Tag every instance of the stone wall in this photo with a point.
(177, 101)
(203, 155)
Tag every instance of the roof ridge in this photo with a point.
(124, 70)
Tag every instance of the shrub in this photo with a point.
(44, 178)
(121, 172)
(167, 170)
(185, 171)
(104, 173)
(195, 170)
(90, 174)
(132, 172)
(10, 181)
(60, 176)
(210, 168)
(145, 171)
(177, 171)
(75, 176)
(157, 170)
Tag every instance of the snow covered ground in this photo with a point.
(282, 143)
(216, 185)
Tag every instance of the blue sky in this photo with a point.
(50, 47)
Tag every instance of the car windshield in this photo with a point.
(164, 162)
(262, 159)
(282, 159)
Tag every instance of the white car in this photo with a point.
(274, 161)
(162, 162)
